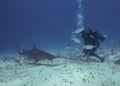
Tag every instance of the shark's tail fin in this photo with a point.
(17, 48)
(18, 51)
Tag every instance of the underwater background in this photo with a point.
(40, 44)
(50, 23)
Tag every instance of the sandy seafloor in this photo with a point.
(65, 73)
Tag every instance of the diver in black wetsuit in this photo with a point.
(91, 40)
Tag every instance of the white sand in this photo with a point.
(68, 73)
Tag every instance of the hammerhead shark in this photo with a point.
(35, 54)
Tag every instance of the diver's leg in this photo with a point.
(92, 53)
(87, 54)
(102, 59)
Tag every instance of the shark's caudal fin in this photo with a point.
(18, 51)
(17, 48)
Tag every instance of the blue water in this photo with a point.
(50, 23)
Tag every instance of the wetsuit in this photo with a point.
(91, 38)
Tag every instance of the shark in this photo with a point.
(35, 54)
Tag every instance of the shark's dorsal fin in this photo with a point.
(34, 46)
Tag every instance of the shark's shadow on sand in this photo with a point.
(40, 64)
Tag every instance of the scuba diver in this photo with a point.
(91, 40)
